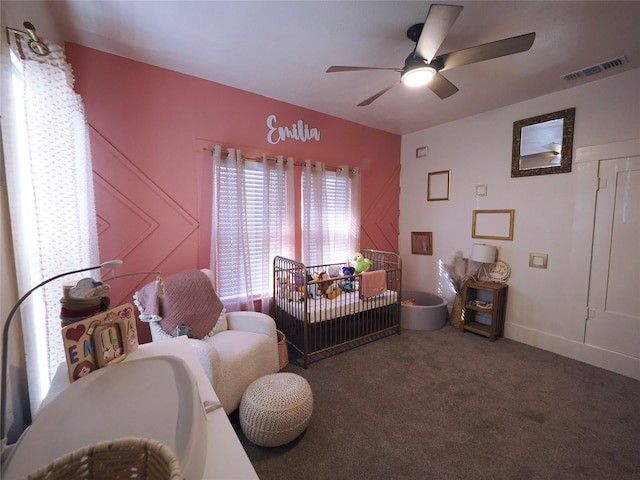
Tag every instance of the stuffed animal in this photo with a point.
(348, 270)
(361, 264)
(312, 291)
(183, 330)
(333, 291)
(328, 288)
(334, 271)
(348, 286)
(295, 293)
(324, 282)
(283, 286)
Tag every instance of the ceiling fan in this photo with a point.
(422, 67)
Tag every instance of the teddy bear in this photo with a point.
(328, 288)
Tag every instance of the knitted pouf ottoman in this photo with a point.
(276, 409)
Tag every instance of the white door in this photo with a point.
(614, 290)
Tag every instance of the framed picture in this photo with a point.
(422, 243)
(494, 224)
(438, 185)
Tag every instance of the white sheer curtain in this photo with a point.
(230, 253)
(50, 190)
(348, 189)
(330, 213)
(315, 232)
(253, 221)
(277, 220)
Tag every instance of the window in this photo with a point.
(330, 213)
(254, 221)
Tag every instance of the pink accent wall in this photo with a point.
(148, 129)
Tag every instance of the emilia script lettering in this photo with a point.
(298, 131)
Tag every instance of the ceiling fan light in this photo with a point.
(418, 76)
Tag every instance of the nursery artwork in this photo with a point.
(99, 341)
(422, 243)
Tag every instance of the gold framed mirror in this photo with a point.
(543, 145)
(493, 224)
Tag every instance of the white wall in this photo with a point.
(546, 307)
(15, 13)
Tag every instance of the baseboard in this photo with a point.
(598, 357)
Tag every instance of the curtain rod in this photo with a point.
(35, 44)
(260, 159)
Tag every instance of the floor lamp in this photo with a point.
(7, 325)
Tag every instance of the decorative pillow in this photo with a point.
(189, 299)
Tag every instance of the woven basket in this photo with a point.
(283, 350)
(125, 458)
(456, 318)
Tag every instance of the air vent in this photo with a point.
(595, 69)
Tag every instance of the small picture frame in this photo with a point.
(421, 152)
(538, 260)
(481, 190)
(422, 243)
(438, 185)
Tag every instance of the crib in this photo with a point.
(317, 326)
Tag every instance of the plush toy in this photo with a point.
(333, 291)
(324, 282)
(348, 286)
(348, 270)
(334, 271)
(312, 288)
(312, 291)
(183, 330)
(328, 288)
(361, 264)
(308, 289)
(283, 287)
(294, 293)
(298, 280)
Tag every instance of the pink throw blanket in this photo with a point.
(373, 283)
(189, 299)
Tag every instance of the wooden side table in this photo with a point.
(485, 305)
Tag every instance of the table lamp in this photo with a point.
(484, 254)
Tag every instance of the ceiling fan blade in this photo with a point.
(374, 97)
(340, 68)
(480, 53)
(436, 27)
(540, 156)
(441, 86)
(539, 160)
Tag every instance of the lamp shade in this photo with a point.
(483, 253)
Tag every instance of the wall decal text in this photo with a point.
(298, 131)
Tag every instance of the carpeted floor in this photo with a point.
(452, 405)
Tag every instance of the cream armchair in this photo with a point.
(239, 347)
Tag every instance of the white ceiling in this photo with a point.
(282, 49)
